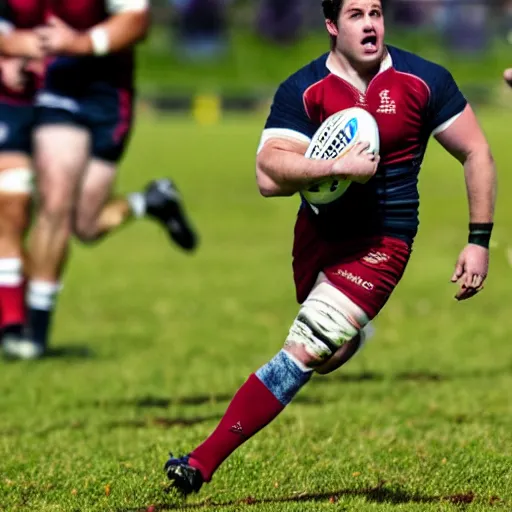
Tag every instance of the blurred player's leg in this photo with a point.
(15, 196)
(95, 191)
(162, 201)
(98, 215)
(109, 117)
(61, 154)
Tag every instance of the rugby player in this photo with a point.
(84, 113)
(21, 71)
(370, 231)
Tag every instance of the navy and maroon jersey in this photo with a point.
(95, 92)
(411, 99)
(16, 110)
(21, 14)
(76, 73)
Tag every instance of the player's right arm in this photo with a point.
(281, 167)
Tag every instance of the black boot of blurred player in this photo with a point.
(162, 201)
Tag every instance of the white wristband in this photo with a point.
(100, 41)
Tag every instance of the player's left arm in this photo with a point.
(465, 140)
(128, 24)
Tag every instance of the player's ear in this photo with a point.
(331, 28)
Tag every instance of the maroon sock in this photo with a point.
(252, 408)
(12, 305)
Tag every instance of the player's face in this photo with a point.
(360, 31)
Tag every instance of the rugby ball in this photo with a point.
(337, 135)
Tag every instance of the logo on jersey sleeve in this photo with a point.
(387, 105)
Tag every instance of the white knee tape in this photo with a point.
(16, 181)
(327, 320)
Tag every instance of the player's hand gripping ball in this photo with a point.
(338, 135)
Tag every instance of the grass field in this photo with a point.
(150, 344)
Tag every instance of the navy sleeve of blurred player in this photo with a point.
(446, 102)
(288, 113)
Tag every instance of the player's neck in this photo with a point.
(359, 77)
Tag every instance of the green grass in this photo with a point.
(152, 343)
(256, 66)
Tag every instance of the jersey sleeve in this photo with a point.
(118, 6)
(447, 101)
(288, 117)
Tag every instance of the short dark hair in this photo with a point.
(332, 9)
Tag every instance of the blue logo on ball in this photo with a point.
(351, 130)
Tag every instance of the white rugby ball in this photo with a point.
(337, 136)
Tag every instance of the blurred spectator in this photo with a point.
(467, 25)
(201, 27)
(407, 13)
(281, 21)
(507, 19)
(464, 24)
